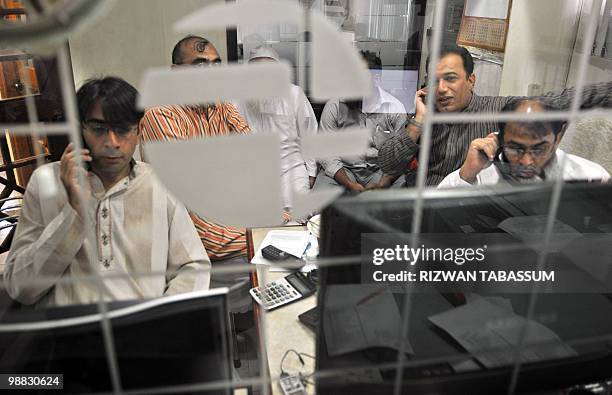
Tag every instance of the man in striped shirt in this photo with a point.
(197, 121)
(450, 142)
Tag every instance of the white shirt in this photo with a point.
(382, 102)
(291, 118)
(576, 168)
(139, 228)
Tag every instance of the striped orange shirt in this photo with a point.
(186, 122)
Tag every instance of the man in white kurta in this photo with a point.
(120, 226)
(291, 118)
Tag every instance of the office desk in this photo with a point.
(281, 328)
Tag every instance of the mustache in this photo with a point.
(111, 153)
(516, 171)
(520, 169)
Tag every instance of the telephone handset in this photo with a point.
(499, 155)
(424, 98)
(499, 160)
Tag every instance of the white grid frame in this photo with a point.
(72, 128)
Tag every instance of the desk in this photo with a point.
(282, 329)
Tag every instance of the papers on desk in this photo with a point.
(295, 242)
(489, 328)
(531, 230)
(361, 316)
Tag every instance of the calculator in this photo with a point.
(280, 292)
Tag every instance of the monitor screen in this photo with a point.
(463, 340)
(181, 340)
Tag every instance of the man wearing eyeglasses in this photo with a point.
(145, 244)
(523, 152)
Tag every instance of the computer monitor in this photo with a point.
(178, 340)
(584, 320)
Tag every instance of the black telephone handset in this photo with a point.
(499, 154)
(500, 160)
(424, 98)
(498, 157)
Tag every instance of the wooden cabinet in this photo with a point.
(17, 73)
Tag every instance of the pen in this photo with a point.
(306, 249)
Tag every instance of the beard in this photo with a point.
(519, 174)
(524, 173)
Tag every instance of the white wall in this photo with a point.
(590, 138)
(598, 69)
(540, 44)
(134, 35)
(429, 18)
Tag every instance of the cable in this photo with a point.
(285, 356)
(303, 378)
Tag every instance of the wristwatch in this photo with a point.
(414, 122)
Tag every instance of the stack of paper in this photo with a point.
(361, 316)
(492, 332)
(294, 242)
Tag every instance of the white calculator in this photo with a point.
(280, 292)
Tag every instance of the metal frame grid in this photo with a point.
(72, 128)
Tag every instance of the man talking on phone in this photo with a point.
(143, 242)
(455, 81)
(523, 152)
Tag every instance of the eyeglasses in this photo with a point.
(519, 152)
(203, 62)
(101, 129)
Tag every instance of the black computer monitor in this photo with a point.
(583, 319)
(180, 340)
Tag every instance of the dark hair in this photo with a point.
(116, 96)
(177, 51)
(538, 128)
(466, 56)
(374, 62)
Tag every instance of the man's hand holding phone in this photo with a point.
(71, 173)
(420, 104)
(480, 155)
(414, 131)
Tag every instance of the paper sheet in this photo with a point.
(337, 69)
(195, 85)
(481, 326)
(361, 316)
(524, 226)
(304, 204)
(241, 13)
(295, 242)
(197, 176)
(531, 230)
(352, 141)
